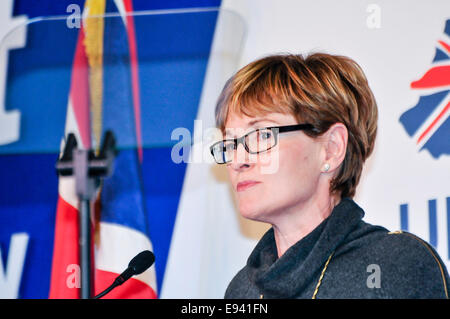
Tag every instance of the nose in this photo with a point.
(241, 159)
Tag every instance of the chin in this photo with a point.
(252, 211)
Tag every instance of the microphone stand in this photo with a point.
(88, 170)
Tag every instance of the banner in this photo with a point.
(145, 56)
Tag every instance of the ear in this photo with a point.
(335, 146)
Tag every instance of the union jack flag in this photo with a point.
(428, 122)
(121, 229)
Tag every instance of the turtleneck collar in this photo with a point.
(287, 276)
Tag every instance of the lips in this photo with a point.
(245, 185)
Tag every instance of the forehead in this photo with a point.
(241, 121)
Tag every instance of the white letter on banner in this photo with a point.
(374, 19)
(9, 121)
(10, 279)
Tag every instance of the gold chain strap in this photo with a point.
(321, 276)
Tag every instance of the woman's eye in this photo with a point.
(265, 135)
(229, 147)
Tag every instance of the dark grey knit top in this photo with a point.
(366, 262)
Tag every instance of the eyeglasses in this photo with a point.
(254, 142)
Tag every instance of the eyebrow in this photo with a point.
(261, 120)
(253, 122)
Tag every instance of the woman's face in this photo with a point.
(279, 180)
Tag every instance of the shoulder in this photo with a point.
(409, 266)
(402, 246)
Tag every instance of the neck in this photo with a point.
(299, 221)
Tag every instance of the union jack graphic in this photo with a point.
(428, 122)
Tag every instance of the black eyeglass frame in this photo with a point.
(275, 130)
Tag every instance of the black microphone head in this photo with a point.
(141, 262)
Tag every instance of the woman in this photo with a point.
(296, 134)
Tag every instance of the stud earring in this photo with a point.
(326, 167)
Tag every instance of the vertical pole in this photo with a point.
(85, 250)
(77, 162)
(84, 186)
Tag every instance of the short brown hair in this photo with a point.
(321, 89)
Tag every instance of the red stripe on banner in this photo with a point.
(65, 272)
(79, 91)
(445, 45)
(134, 74)
(131, 289)
(433, 78)
(429, 128)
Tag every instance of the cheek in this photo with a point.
(297, 167)
(231, 175)
(289, 174)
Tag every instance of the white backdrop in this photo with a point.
(394, 42)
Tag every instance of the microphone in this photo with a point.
(140, 263)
